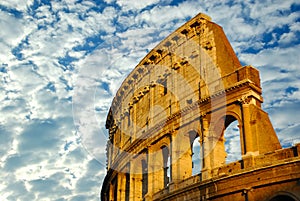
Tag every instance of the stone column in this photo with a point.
(181, 156)
(135, 180)
(206, 170)
(151, 174)
(157, 168)
(247, 128)
(249, 147)
(132, 181)
(200, 141)
(134, 123)
(121, 186)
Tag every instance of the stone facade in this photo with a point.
(188, 90)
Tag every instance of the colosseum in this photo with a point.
(168, 120)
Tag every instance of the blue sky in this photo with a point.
(61, 62)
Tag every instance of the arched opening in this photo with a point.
(196, 158)
(166, 165)
(282, 198)
(114, 189)
(232, 140)
(144, 177)
(127, 186)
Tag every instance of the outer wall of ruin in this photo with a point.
(188, 90)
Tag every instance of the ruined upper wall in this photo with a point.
(199, 44)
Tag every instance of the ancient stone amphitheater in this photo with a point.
(184, 94)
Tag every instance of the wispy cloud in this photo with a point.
(58, 52)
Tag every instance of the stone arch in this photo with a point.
(166, 164)
(283, 196)
(138, 172)
(234, 115)
(195, 152)
(144, 164)
(160, 160)
(218, 139)
(114, 189)
(229, 133)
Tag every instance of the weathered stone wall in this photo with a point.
(274, 173)
(191, 85)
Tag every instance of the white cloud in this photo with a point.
(19, 5)
(274, 57)
(35, 167)
(135, 5)
(10, 36)
(287, 38)
(161, 16)
(57, 51)
(295, 26)
(109, 1)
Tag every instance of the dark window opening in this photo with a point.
(107, 194)
(114, 184)
(128, 122)
(164, 83)
(144, 178)
(282, 198)
(127, 186)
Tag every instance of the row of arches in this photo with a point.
(178, 155)
(232, 145)
(154, 170)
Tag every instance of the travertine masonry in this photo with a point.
(188, 90)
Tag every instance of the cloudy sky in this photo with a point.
(61, 63)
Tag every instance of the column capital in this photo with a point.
(245, 100)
